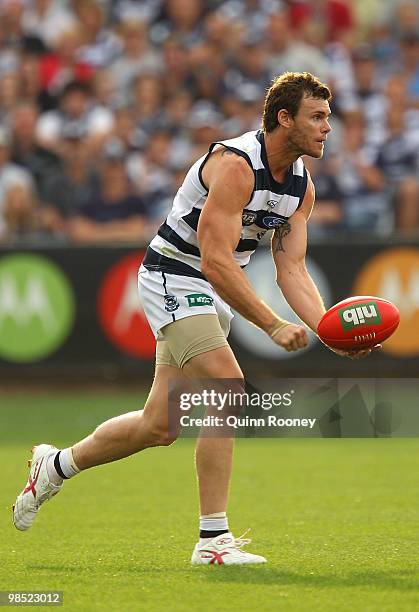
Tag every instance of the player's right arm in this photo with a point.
(230, 181)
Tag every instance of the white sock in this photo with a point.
(53, 475)
(61, 465)
(212, 522)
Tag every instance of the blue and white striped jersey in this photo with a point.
(175, 248)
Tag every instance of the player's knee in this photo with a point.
(167, 439)
(161, 436)
(158, 432)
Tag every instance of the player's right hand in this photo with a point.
(355, 353)
(291, 337)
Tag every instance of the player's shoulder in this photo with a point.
(240, 151)
(299, 169)
(246, 142)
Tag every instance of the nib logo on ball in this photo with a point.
(364, 314)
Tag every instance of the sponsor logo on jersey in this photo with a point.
(171, 302)
(199, 299)
(272, 221)
(248, 217)
(272, 203)
(364, 314)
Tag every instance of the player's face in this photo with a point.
(311, 127)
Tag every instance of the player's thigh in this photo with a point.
(216, 363)
(199, 346)
(156, 409)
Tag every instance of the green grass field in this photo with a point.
(338, 520)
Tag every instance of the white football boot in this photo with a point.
(224, 549)
(38, 489)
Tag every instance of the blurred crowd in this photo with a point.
(104, 105)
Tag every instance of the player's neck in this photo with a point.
(280, 154)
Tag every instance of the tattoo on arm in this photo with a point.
(228, 152)
(278, 237)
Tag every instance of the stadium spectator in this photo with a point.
(17, 194)
(183, 18)
(398, 160)
(124, 128)
(104, 90)
(31, 83)
(223, 33)
(137, 56)
(409, 48)
(76, 106)
(241, 109)
(115, 212)
(9, 95)
(368, 95)
(205, 127)
(71, 186)
(287, 52)
(176, 59)
(404, 17)
(147, 103)
(328, 212)
(38, 160)
(397, 95)
(336, 15)
(149, 172)
(251, 15)
(367, 14)
(250, 67)
(46, 20)
(20, 214)
(366, 206)
(100, 45)
(176, 112)
(62, 66)
(11, 14)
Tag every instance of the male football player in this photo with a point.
(229, 199)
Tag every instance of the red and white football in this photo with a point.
(358, 322)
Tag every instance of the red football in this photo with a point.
(358, 322)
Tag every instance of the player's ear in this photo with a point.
(284, 118)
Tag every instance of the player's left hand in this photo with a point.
(356, 353)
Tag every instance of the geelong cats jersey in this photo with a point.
(175, 248)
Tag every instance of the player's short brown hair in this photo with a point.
(287, 91)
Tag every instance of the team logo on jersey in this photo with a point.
(272, 203)
(248, 217)
(272, 221)
(199, 299)
(171, 302)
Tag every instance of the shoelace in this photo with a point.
(241, 541)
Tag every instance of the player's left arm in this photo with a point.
(289, 245)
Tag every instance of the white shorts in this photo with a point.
(169, 297)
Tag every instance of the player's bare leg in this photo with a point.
(214, 455)
(132, 432)
(114, 439)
